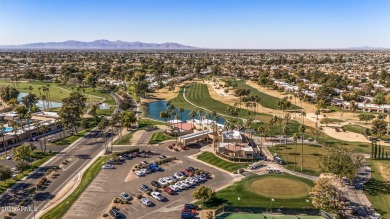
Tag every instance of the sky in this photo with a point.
(225, 24)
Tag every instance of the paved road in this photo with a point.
(89, 145)
(110, 183)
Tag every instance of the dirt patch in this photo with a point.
(131, 176)
(384, 170)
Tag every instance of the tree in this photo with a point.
(22, 165)
(317, 114)
(5, 173)
(366, 117)
(7, 93)
(43, 129)
(192, 116)
(72, 109)
(295, 138)
(324, 195)
(379, 128)
(203, 193)
(366, 132)
(302, 130)
(30, 100)
(128, 118)
(340, 161)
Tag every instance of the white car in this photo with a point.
(139, 173)
(125, 196)
(180, 185)
(157, 196)
(162, 181)
(145, 171)
(185, 185)
(179, 175)
(146, 201)
(174, 188)
(169, 180)
(108, 166)
(122, 158)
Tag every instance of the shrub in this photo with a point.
(11, 213)
(139, 196)
(105, 215)
(148, 192)
(170, 147)
(155, 189)
(7, 217)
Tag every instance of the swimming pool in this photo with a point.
(7, 129)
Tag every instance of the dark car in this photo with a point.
(191, 169)
(155, 184)
(145, 188)
(116, 214)
(187, 214)
(190, 206)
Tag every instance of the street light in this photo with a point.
(272, 200)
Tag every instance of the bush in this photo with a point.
(148, 192)
(105, 215)
(11, 213)
(170, 147)
(155, 189)
(7, 217)
(139, 196)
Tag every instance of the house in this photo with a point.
(235, 151)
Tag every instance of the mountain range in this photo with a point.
(100, 44)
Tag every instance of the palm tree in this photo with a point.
(261, 130)
(295, 137)
(302, 129)
(317, 114)
(181, 111)
(192, 115)
(286, 129)
(43, 129)
(303, 117)
(2, 135)
(164, 115)
(200, 117)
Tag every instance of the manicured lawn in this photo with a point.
(73, 138)
(354, 128)
(125, 140)
(311, 154)
(159, 137)
(213, 159)
(87, 178)
(198, 94)
(266, 100)
(378, 188)
(249, 191)
(6, 184)
(143, 123)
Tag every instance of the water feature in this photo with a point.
(154, 108)
(40, 102)
(7, 129)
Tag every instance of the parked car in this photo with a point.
(145, 188)
(139, 173)
(179, 175)
(111, 161)
(155, 184)
(158, 196)
(108, 166)
(190, 206)
(146, 201)
(125, 196)
(144, 171)
(144, 162)
(169, 190)
(116, 214)
(162, 181)
(122, 158)
(162, 156)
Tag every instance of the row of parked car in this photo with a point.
(255, 166)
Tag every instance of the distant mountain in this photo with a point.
(100, 44)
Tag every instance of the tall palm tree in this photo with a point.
(286, 129)
(295, 137)
(181, 111)
(261, 130)
(192, 115)
(317, 114)
(200, 117)
(302, 129)
(2, 135)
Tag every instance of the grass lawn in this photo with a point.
(125, 140)
(213, 159)
(143, 123)
(73, 138)
(198, 94)
(159, 137)
(257, 216)
(354, 128)
(266, 100)
(6, 184)
(378, 188)
(250, 188)
(87, 178)
(311, 155)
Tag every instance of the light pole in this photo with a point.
(272, 200)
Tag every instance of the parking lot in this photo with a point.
(111, 182)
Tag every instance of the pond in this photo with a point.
(40, 102)
(154, 108)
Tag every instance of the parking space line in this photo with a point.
(141, 204)
(126, 210)
(134, 208)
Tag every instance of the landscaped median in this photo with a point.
(88, 176)
(214, 160)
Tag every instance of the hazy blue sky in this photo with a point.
(212, 24)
